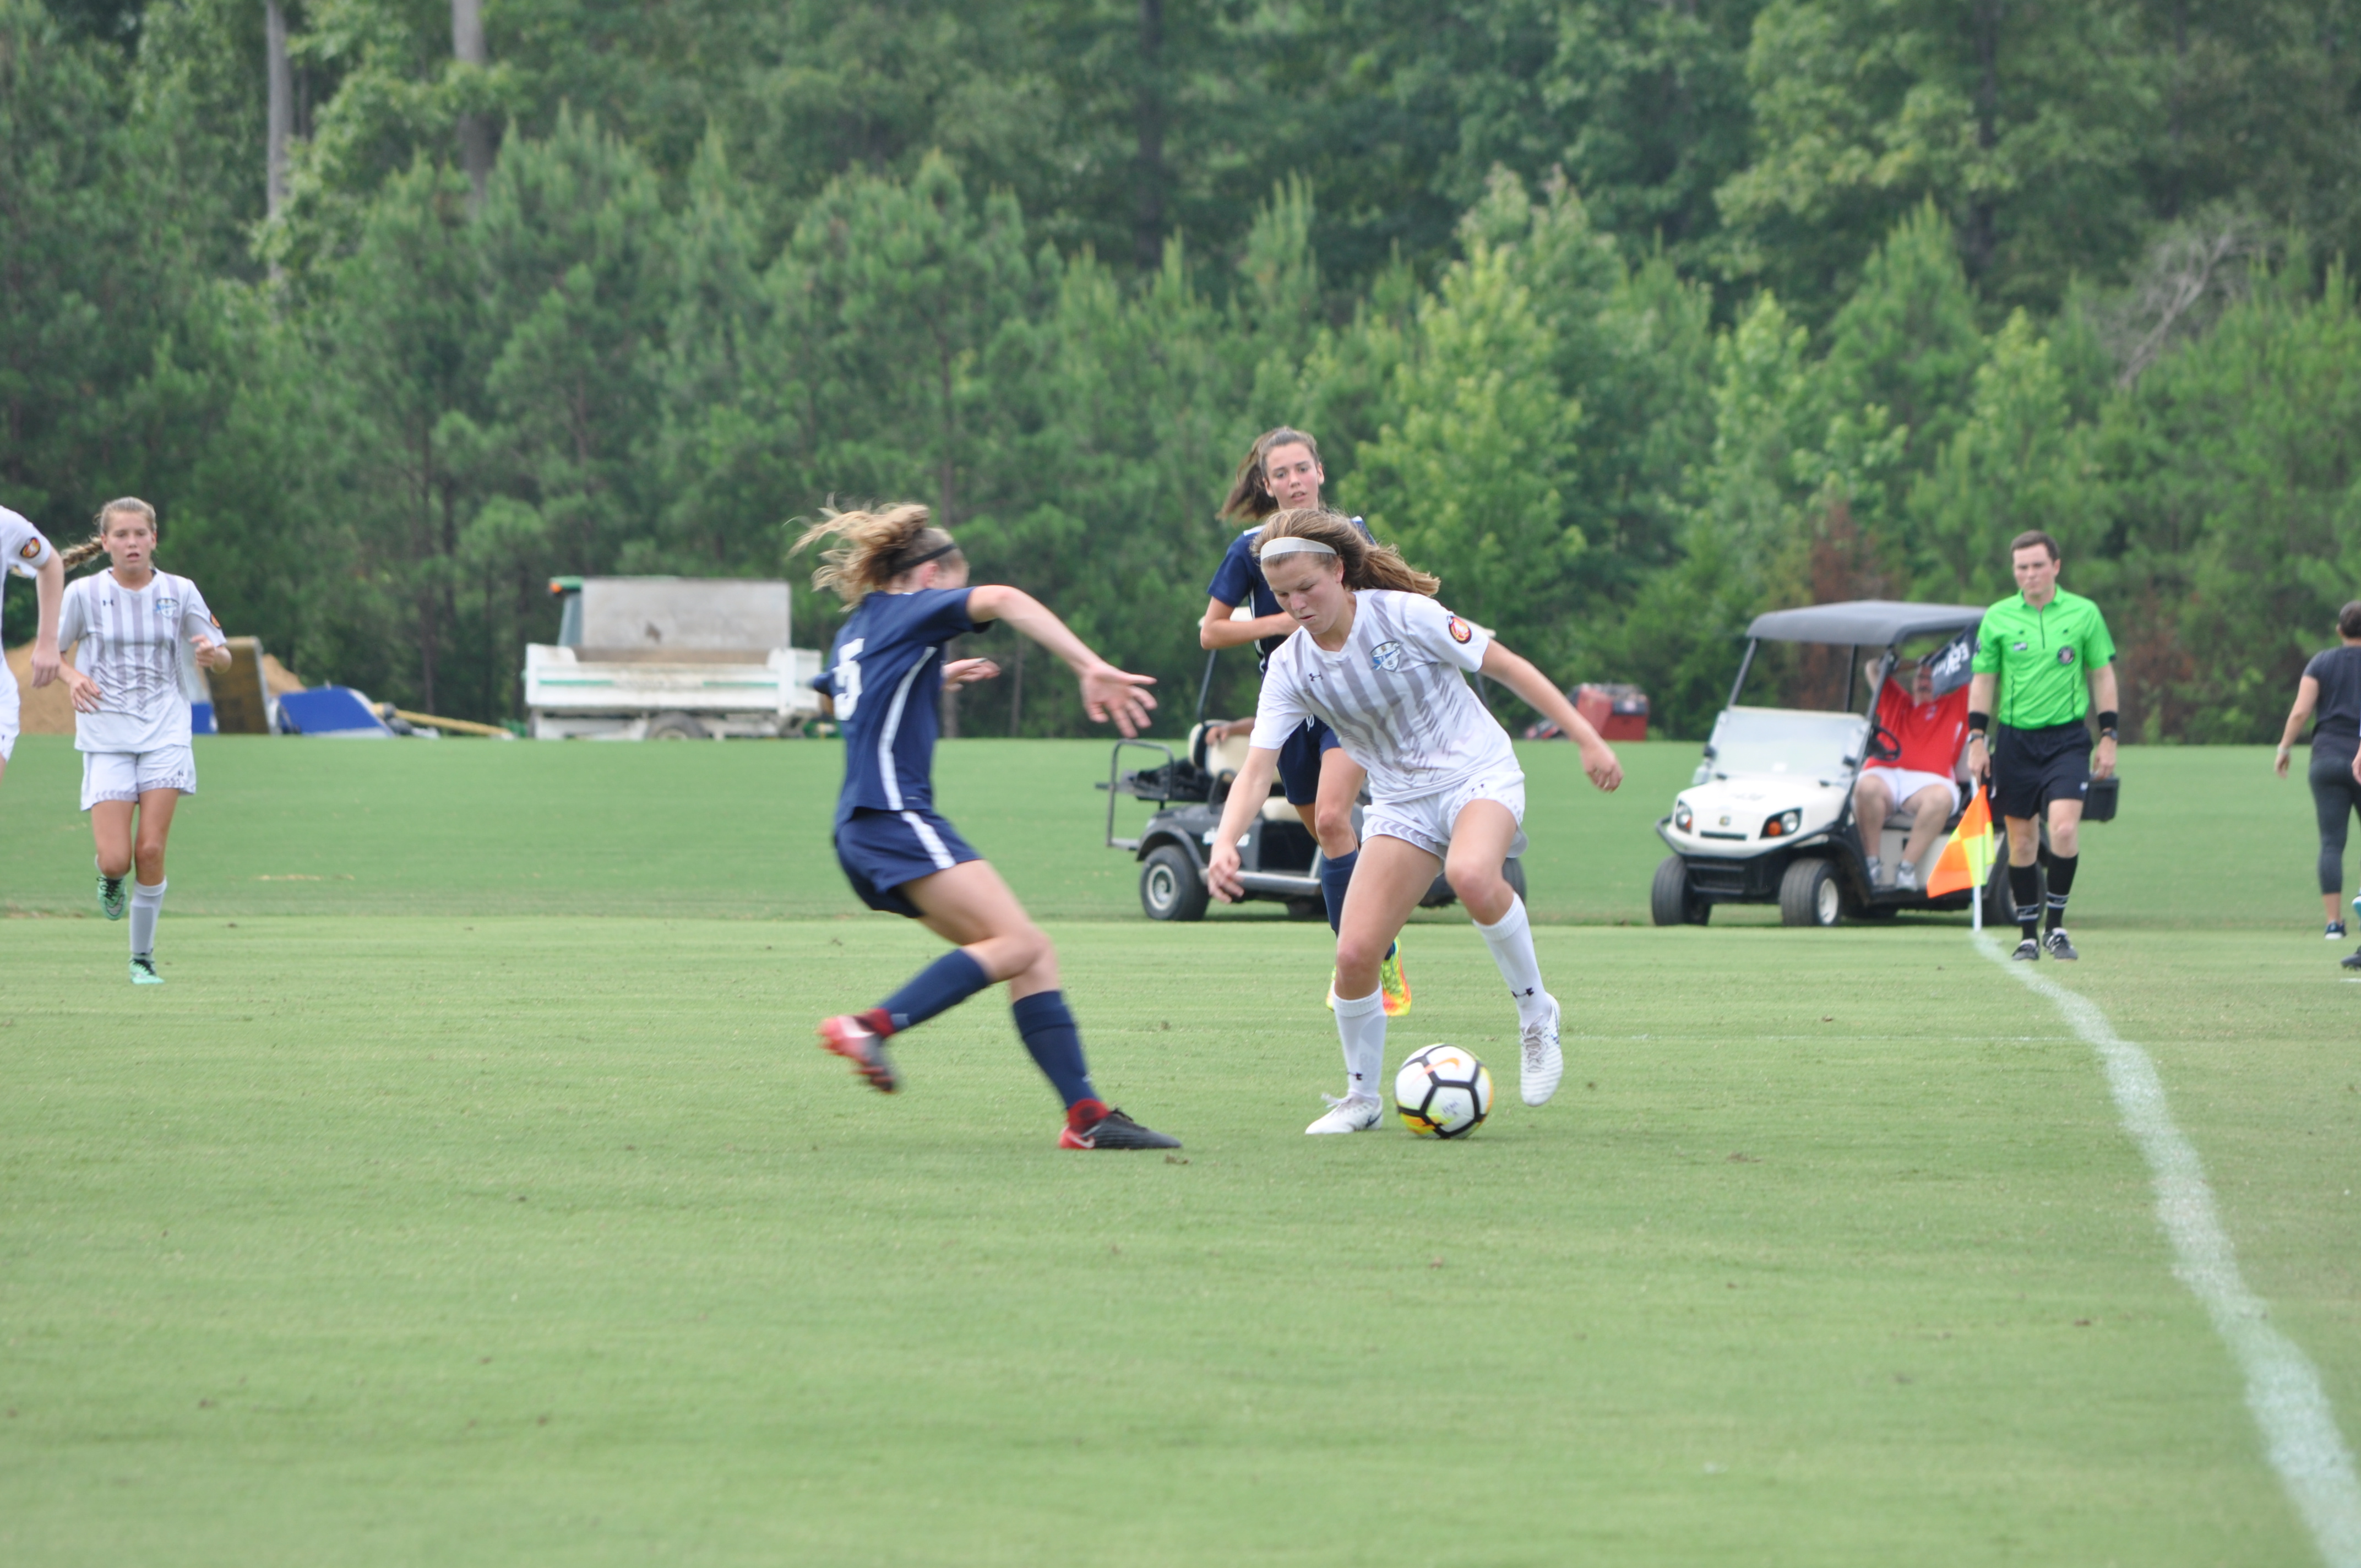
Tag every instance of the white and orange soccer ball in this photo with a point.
(1443, 1091)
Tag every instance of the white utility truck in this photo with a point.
(670, 659)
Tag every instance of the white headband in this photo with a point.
(1294, 544)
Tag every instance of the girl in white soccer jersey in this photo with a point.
(22, 549)
(1374, 656)
(131, 713)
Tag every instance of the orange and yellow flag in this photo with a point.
(1967, 859)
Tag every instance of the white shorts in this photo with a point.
(1426, 821)
(1906, 782)
(128, 775)
(7, 716)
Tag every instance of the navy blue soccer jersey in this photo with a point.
(885, 675)
(1238, 580)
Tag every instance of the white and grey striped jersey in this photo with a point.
(22, 548)
(134, 643)
(1394, 693)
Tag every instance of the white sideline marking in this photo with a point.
(2282, 1389)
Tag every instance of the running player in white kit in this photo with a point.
(131, 712)
(24, 551)
(1385, 665)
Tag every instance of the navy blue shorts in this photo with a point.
(1298, 761)
(880, 850)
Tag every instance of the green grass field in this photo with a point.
(474, 1194)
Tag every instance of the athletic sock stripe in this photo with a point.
(2283, 1389)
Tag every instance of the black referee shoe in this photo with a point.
(2027, 951)
(2060, 948)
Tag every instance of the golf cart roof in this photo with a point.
(1862, 623)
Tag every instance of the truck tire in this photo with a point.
(1809, 893)
(1169, 887)
(1670, 901)
(677, 727)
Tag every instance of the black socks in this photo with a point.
(2025, 893)
(2062, 882)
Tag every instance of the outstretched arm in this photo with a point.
(1107, 692)
(1248, 791)
(1517, 672)
(49, 586)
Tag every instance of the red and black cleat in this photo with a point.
(1090, 1124)
(862, 1045)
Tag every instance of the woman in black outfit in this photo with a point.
(2330, 688)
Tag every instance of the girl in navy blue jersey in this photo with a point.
(907, 584)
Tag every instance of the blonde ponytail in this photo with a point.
(1367, 566)
(876, 548)
(74, 556)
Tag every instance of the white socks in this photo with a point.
(147, 903)
(1512, 941)
(1361, 1024)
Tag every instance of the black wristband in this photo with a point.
(1978, 723)
(2107, 724)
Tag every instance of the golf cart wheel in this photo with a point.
(2000, 903)
(1512, 871)
(1809, 894)
(677, 727)
(1169, 887)
(1670, 901)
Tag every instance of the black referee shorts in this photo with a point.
(2033, 767)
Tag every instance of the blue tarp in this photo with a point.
(330, 710)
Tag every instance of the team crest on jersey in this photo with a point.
(32, 547)
(1460, 630)
(1386, 656)
(2065, 655)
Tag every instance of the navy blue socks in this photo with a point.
(938, 988)
(1057, 1046)
(1334, 877)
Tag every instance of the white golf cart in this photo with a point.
(1768, 818)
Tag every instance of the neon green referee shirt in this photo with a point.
(2043, 657)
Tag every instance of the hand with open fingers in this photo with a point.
(211, 654)
(46, 664)
(967, 672)
(83, 690)
(1109, 693)
(1600, 761)
(1222, 873)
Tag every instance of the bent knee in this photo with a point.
(1475, 881)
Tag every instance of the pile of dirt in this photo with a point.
(49, 711)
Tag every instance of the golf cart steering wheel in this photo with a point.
(1884, 745)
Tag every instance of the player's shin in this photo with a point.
(147, 904)
(940, 987)
(1510, 938)
(1055, 1043)
(1334, 877)
(1361, 1027)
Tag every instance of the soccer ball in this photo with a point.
(1443, 1091)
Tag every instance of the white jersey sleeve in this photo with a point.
(1434, 630)
(197, 619)
(1282, 709)
(22, 546)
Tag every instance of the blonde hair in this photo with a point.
(1367, 566)
(1250, 496)
(876, 548)
(95, 545)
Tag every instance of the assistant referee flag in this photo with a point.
(1967, 859)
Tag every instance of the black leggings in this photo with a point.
(2334, 798)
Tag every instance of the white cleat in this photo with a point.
(1352, 1115)
(1544, 1064)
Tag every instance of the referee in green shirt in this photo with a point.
(2044, 655)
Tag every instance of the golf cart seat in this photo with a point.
(1224, 760)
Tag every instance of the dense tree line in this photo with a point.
(1629, 317)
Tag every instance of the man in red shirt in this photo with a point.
(1924, 777)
